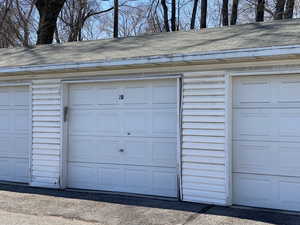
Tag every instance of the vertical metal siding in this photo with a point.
(46, 133)
(203, 138)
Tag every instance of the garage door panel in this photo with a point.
(94, 150)
(82, 121)
(21, 146)
(111, 176)
(164, 181)
(146, 151)
(289, 90)
(266, 144)
(4, 120)
(266, 158)
(163, 152)
(5, 169)
(288, 159)
(289, 193)
(137, 178)
(253, 157)
(21, 97)
(123, 178)
(136, 123)
(5, 144)
(160, 123)
(13, 169)
(279, 91)
(267, 191)
(21, 120)
(254, 190)
(108, 122)
(107, 96)
(14, 147)
(164, 123)
(136, 152)
(21, 170)
(288, 126)
(4, 97)
(137, 94)
(14, 133)
(252, 123)
(131, 145)
(164, 93)
(251, 90)
(258, 124)
(81, 174)
(82, 95)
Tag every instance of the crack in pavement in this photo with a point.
(72, 218)
(194, 216)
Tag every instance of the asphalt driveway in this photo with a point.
(35, 206)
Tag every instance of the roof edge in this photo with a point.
(195, 57)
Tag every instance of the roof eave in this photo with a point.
(215, 56)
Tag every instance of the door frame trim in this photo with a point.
(65, 124)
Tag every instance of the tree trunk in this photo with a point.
(203, 14)
(116, 18)
(56, 36)
(48, 11)
(225, 21)
(6, 6)
(173, 16)
(166, 18)
(194, 13)
(279, 10)
(260, 11)
(234, 12)
(289, 9)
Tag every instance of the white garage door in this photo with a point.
(266, 141)
(14, 134)
(122, 137)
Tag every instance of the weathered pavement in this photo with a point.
(34, 206)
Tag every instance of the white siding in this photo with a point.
(46, 133)
(203, 138)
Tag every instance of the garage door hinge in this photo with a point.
(66, 113)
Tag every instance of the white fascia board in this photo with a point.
(195, 57)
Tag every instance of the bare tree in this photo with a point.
(234, 12)
(24, 18)
(194, 13)
(260, 11)
(203, 14)
(5, 7)
(16, 26)
(225, 21)
(173, 15)
(48, 11)
(289, 9)
(153, 22)
(165, 15)
(279, 9)
(74, 15)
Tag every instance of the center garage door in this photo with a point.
(266, 142)
(14, 134)
(122, 137)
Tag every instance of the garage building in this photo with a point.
(210, 116)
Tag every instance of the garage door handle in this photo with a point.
(121, 150)
(66, 109)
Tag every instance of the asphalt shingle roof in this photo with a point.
(254, 35)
